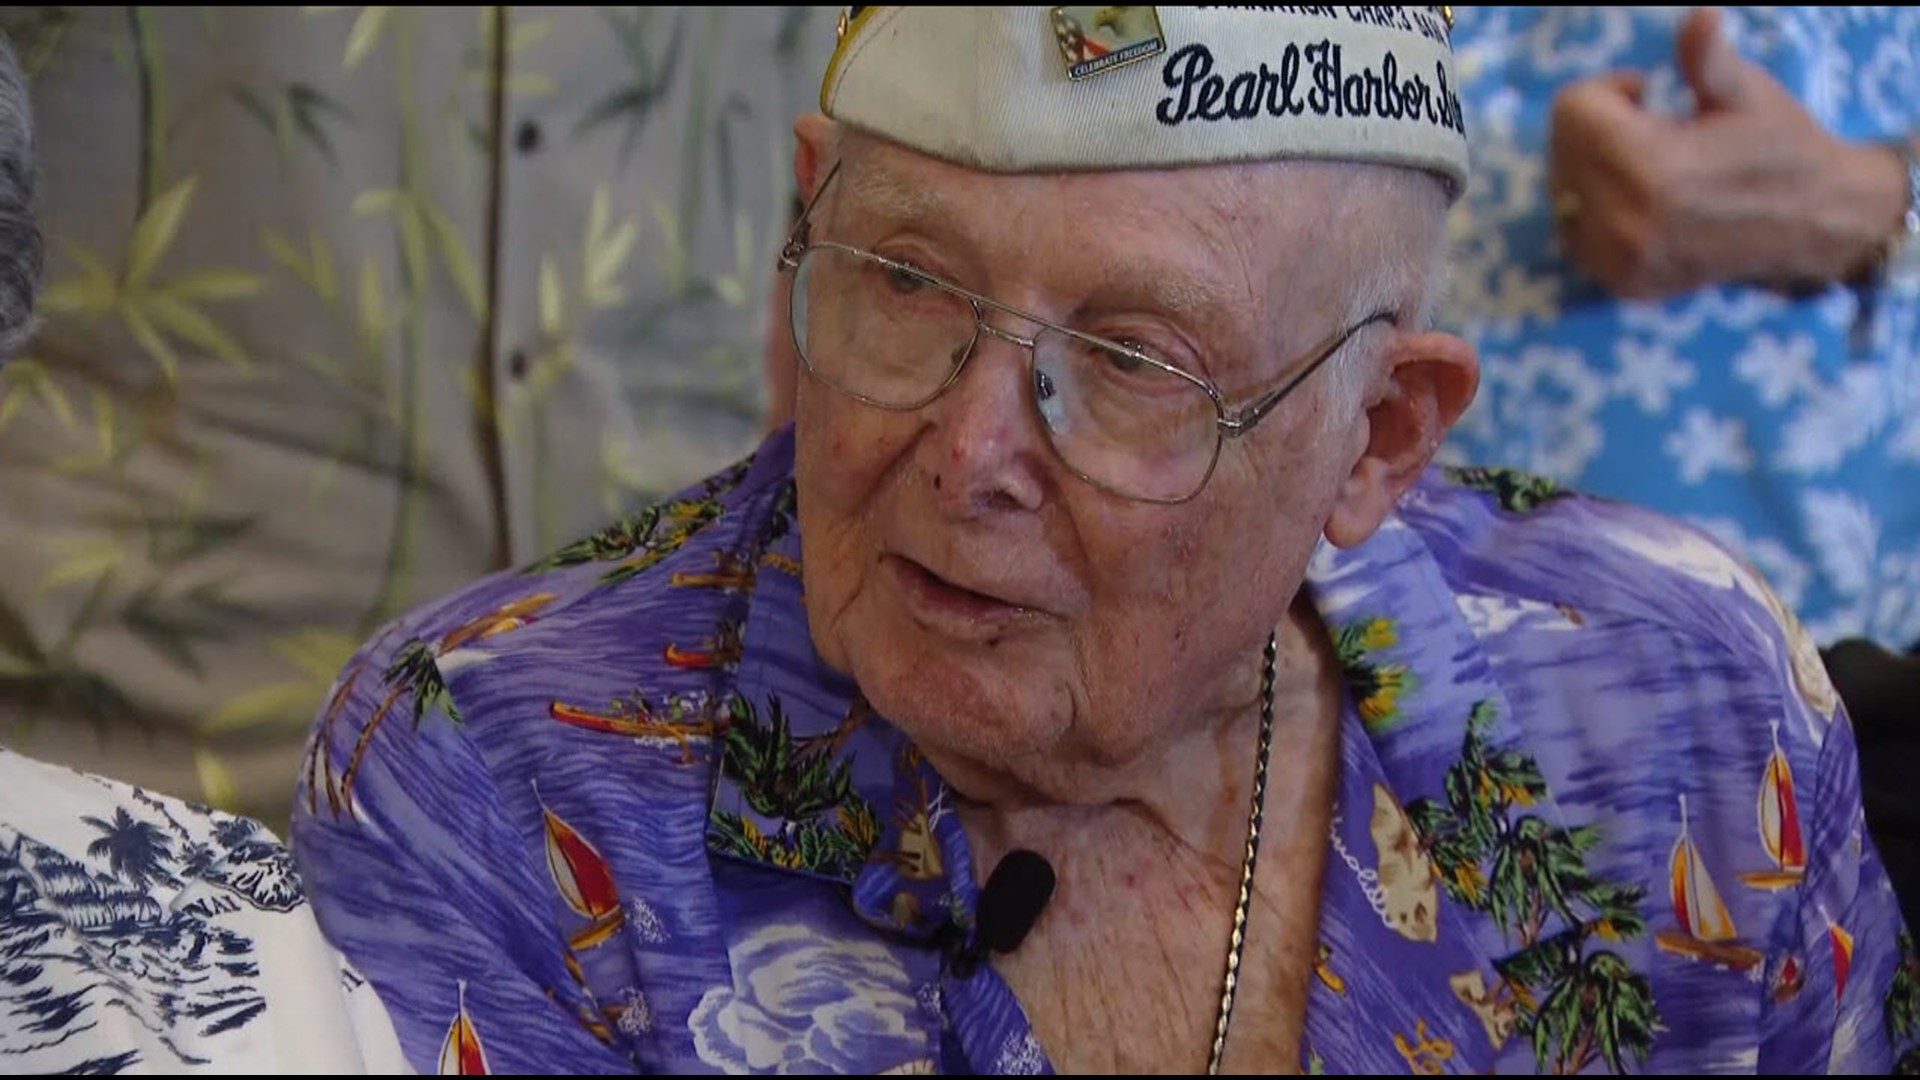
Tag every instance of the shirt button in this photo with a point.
(526, 138)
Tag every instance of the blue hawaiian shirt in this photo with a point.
(1761, 419)
(1598, 809)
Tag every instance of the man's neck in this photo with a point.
(1190, 791)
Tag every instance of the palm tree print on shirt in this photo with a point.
(824, 826)
(414, 672)
(639, 542)
(136, 851)
(1377, 685)
(1572, 1002)
(1517, 492)
(1903, 1008)
(643, 538)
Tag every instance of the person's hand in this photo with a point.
(1750, 188)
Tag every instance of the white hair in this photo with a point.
(1405, 259)
(20, 246)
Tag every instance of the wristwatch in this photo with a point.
(1900, 256)
(1896, 264)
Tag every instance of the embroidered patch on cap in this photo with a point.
(1097, 39)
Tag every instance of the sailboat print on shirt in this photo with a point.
(1842, 957)
(1706, 929)
(584, 879)
(462, 1054)
(1779, 825)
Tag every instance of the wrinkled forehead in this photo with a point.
(1244, 235)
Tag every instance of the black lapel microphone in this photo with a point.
(1010, 903)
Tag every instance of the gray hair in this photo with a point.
(20, 252)
(1407, 261)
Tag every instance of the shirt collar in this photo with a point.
(1423, 697)
(811, 781)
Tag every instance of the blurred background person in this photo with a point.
(1687, 259)
(138, 932)
(1681, 259)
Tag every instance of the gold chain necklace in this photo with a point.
(1239, 940)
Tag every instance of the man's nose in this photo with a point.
(985, 450)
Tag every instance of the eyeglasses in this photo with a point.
(889, 334)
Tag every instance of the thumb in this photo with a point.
(1711, 65)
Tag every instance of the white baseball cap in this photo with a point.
(1036, 89)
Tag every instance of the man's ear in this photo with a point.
(1429, 379)
(811, 132)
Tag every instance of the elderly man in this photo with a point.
(1103, 566)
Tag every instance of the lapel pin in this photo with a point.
(1093, 40)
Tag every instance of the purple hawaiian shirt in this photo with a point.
(1598, 810)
